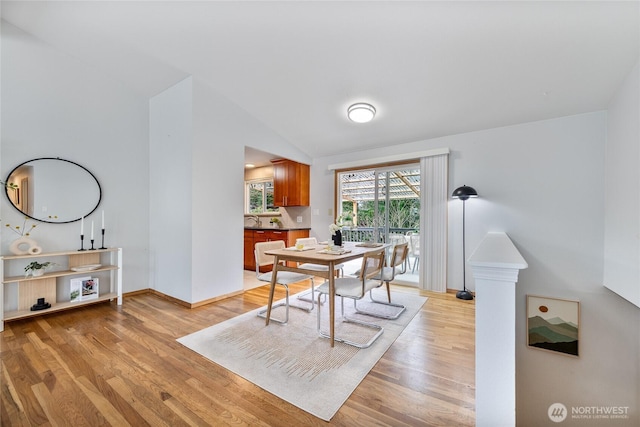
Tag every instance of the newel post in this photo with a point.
(495, 264)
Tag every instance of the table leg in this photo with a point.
(332, 302)
(274, 276)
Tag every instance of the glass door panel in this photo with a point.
(383, 205)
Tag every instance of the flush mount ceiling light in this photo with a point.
(361, 112)
(249, 165)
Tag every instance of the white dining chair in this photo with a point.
(414, 249)
(338, 269)
(396, 239)
(283, 278)
(355, 288)
(397, 265)
(312, 241)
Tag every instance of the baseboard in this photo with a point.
(179, 301)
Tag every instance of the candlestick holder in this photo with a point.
(102, 247)
(92, 248)
(82, 243)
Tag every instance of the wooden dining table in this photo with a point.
(315, 255)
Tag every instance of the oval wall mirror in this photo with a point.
(53, 190)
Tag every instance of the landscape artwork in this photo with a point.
(553, 324)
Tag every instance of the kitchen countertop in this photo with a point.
(277, 229)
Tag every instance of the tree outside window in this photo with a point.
(259, 197)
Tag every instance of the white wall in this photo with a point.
(56, 106)
(170, 190)
(622, 215)
(543, 184)
(221, 132)
(196, 240)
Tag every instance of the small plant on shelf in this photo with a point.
(36, 268)
(275, 221)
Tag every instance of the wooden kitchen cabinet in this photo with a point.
(290, 183)
(249, 260)
(251, 237)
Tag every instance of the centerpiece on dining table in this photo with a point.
(336, 233)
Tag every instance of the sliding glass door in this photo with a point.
(382, 205)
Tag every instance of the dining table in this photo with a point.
(317, 254)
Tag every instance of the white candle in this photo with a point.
(82, 226)
(103, 220)
(91, 230)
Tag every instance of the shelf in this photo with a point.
(22, 314)
(61, 273)
(62, 253)
(23, 291)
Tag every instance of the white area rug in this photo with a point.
(292, 361)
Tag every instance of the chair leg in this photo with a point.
(390, 304)
(349, 320)
(303, 297)
(263, 313)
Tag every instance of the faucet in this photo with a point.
(256, 218)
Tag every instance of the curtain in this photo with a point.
(434, 174)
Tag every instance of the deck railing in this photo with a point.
(365, 234)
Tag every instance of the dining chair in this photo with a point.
(397, 265)
(338, 268)
(312, 241)
(414, 249)
(355, 288)
(396, 239)
(284, 278)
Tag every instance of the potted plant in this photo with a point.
(275, 222)
(36, 268)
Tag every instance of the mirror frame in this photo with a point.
(6, 190)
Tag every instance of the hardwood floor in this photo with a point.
(109, 365)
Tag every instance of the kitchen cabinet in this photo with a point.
(249, 260)
(253, 236)
(290, 183)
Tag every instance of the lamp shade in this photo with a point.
(464, 192)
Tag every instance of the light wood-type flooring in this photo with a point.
(108, 365)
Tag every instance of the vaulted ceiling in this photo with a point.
(430, 68)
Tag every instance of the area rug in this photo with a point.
(292, 362)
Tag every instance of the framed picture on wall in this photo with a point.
(553, 324)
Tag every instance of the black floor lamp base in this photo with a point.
(464, 295)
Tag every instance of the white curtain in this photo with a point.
(434, 174)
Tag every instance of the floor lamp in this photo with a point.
(463, 193)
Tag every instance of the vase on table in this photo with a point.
(337, 238)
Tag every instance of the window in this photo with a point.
(259, 197)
